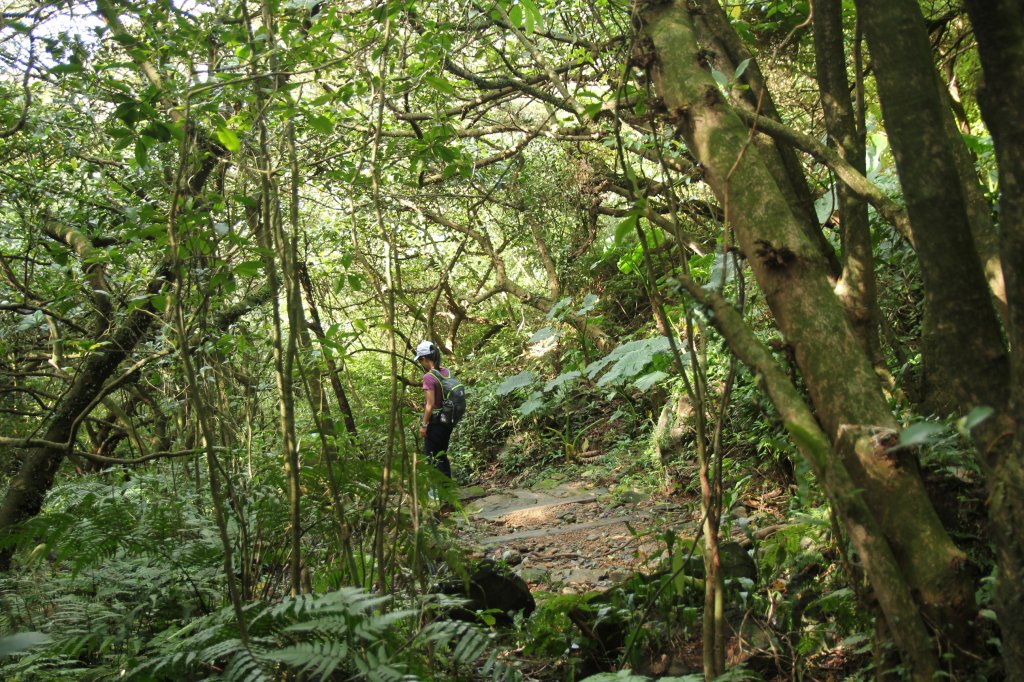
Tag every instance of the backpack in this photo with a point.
(453, 399)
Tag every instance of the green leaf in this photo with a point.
(248, 268)
(629, 359)
(974, 417)
(561, 379)
(440, 84)
(141, 153)
(71, 67)
(524, 378)
(159, 302)
(535, 403)
(31, 321)
(919, 433)
(543, 335)
(516, 16)
(627, 226)
(720, 78)
(648, 380)
(21, 641)
(158, 131)
(321, 124)
(229, 139)
(741, 68)
(532, 15)
(589, 301)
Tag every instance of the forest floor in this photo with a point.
(570, 537)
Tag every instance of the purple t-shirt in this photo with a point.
(430, 383)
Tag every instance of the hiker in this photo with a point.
(435, 434)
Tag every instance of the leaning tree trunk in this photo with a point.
(27, 491)
(728, 51)
(839, 375)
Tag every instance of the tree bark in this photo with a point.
(729, 51)
(890, 586)
(839, 376)
(856, 286)
(965, 362)
(27, 491)
(333, 370)
(999, 30)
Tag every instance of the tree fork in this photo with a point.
(27, 491)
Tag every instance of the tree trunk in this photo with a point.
(333, 370)
(964, 359)
(27, 491)
(999, 30)
(856, 286)
(838, 373)
(780, 159)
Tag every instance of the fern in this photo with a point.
(318, 659)
(464, 644)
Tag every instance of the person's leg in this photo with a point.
(436, 447)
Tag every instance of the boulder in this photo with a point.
(488, 588)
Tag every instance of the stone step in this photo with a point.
(557, 530)
(536, 504)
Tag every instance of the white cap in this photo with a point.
(424, 349)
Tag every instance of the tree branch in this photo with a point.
(859, 185)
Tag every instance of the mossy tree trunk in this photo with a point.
(999, 30)
(856, 286)
(839, 375)
(965, 362)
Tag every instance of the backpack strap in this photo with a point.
(440, 381)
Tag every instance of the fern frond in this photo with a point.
(245, 667)
(319, 659)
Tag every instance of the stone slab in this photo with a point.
(499, 504)
(557, 530)
(514, 506)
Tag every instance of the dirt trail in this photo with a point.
(569, 537)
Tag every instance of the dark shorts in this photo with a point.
(435, 446)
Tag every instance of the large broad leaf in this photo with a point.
(629, 359)
(589, 301)
(229, 139)
(543, 335)
(648, 380)
(535, 403)
(22, 641)
(558, 309)
(521, 380)
(975, 417)
(920, 433)
(561, 379)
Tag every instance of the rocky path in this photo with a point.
(568, 537)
